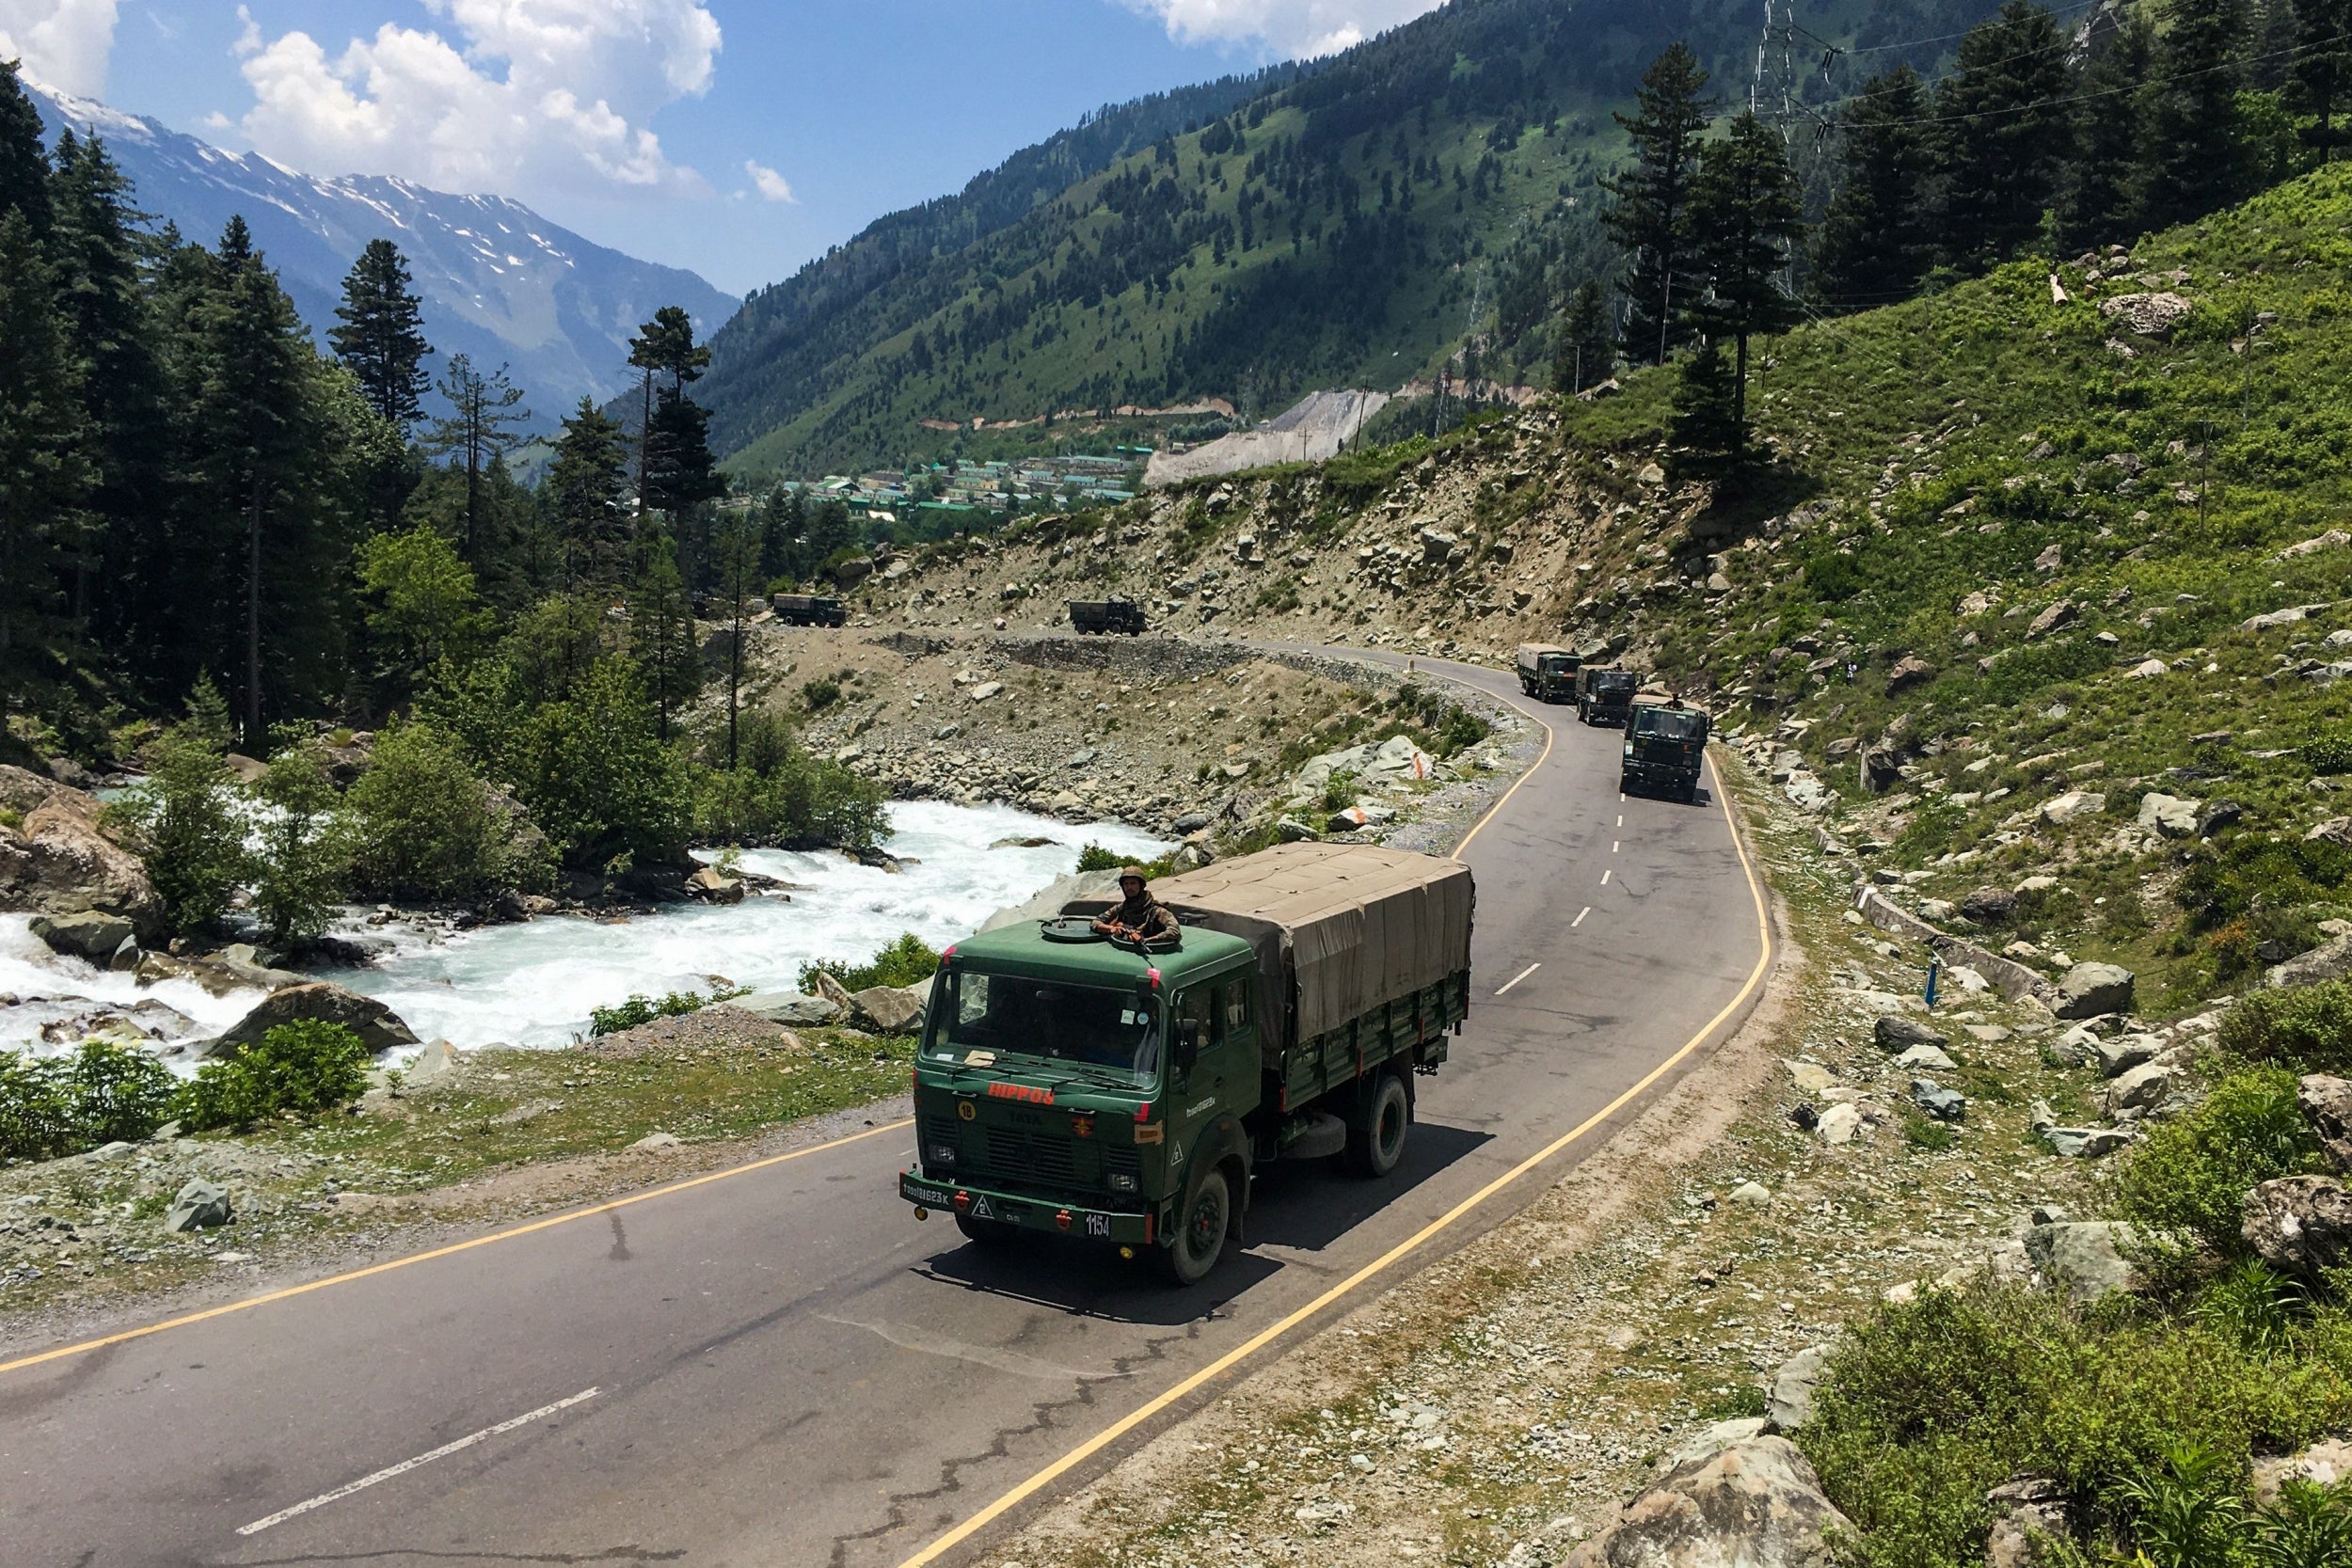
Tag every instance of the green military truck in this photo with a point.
(1103, 617)
(1664, 745)
(1123, 1093)
(809, 610)
(1604, 696)
(1548, 672)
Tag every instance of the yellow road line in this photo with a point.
(1264, 1336)
(374, 1269)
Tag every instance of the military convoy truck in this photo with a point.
(1548, 672)
(809, 610)
(1106, 616)
(1664, 745)
(1120, 1093)
(1605, 696)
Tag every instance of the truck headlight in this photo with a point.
(943, 1154)
(1121, 1182)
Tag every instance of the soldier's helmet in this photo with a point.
(1134, 872)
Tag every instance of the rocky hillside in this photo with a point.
(2038, 615)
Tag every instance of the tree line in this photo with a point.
(2037, 142)
(202, 514)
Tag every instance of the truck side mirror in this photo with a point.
(1188, 1048)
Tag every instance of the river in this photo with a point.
(532, 984)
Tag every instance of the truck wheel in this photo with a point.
(1202, 1226)
(1375, 1146)
(987, 1233)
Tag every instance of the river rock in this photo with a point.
(789, 1008)
(2301, 1224)
(1788, 1401)
(2084, 1143)
(1895, 1032)
(199, 1206)
(2025, 1512)
(1942, 1104)
(1838, 1124)
(2092, 988)
(2327, 1104)
(833, 991)
(61, 863)
(1930, 1058)
(890, 1009)
(2075, 804)
(714, 886)
(1756, 1504)
(2118, 1056)
(2082, 1260)
(89, 935)
(378, 1027)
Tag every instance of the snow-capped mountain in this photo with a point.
(499, 281)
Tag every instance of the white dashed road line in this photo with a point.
(1580, 917)
(1604, 877)
(1520, 976)
(407, 1464)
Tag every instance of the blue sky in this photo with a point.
(738, 138)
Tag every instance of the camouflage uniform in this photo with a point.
(1142, 915)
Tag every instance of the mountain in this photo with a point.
(499, 282)
(1355, 222)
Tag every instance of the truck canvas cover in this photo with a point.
(1531, 654)
(1339, 928)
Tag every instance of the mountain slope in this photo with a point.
(499, 282)
(1353, 223)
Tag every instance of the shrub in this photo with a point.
(599, 779)
(795, 800)
(425, 825)
(820, 693)
(1095, 858)
(2307, 1028)
(640, 1008)
(2191, 1176)
(35, 1114)
(1339, 791)
(303, 854)
(2329, 749)
(101, 1093)
(904, 962)
(184, 820)
(300, 1068)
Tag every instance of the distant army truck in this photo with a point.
(1548, 672)
(1665, 744)
(1604, 696)
(1106, 616)
(1093, 1087)
(810, 609)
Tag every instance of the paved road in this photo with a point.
(786, 1368)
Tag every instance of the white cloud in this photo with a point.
(63, 43)
(1296, 29)
(537, 96)
(771, 186)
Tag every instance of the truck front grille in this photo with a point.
(1020, 1155)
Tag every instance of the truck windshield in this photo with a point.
(1610, 682)
(1668, 726)
(1559, 666)
(1014, 1016)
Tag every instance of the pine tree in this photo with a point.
(584, 493)
(2322, 68)
(382, 336)
(23, 163)
(1706, 421)
(1876, 240)
(478, 430)
(1586, 355)
(680, 471)
(2003, 119)
(2097, 200)
(2196, 161)
(738, 541)
(1651, 215)
(111, 334)
(43, 477)
(1747, 214)
(663, 346)
(661, 634)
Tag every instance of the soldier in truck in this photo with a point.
(1137, 917)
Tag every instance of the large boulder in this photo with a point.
(789, 1008)
(1788, 1401)
(890, 1009)
(2301, 1224)
(2028, 1514)
(2168, 814)
(2082, 1260)
(2331, 961)
(1099, 887)
(200, 1205)
(2141, 1088)
(89, 935)
(2092, 988)
(61, 863)
(1754, 1504)
(2327, 1104)
(1895, 1032)
(378, 1027)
